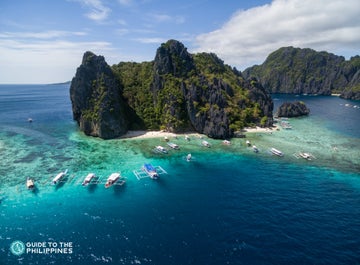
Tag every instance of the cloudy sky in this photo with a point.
(43, 41)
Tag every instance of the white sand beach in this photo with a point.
(158, 134)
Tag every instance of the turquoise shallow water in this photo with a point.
(228, 206)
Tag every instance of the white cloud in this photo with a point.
(151, 40)
(49, 34)
(250, 35)
(98, 11)
(160, 18)
(44, 61)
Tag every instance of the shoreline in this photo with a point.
(157, 134)
(142, 134)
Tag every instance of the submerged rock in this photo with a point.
(293, 109)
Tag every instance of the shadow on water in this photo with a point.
(92, 187)
(119, 190)
(35, 190)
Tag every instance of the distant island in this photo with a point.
(305, 71)
(176, 92)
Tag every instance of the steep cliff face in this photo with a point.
(178, 91)
(303, 71)
(96, 99)
(293, 109)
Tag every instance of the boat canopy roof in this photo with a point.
(149, 167)
(114, 176)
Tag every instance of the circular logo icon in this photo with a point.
(17, 248)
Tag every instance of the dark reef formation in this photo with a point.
(178, 91)
(305, 71)
(292, 109)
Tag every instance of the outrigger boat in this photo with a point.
(30, 183)
(59, 176)
(226, 142)
(88, 179)
(112, 179)
(206, 144)
(188, 157)
(150, 171)
(248, 143)
(187, 138)
(306, 156)
(173, 146)
(255, 149)
(276, 152)
(161, 149)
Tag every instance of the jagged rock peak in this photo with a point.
(96, 99)
(293, 109)
(173, 58)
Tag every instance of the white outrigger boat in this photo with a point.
(276, 152)
(30, 183)
(161, 149)
(226, 142)
(88, 179)
(188, 157)
(187, 138)
(174, 146)
(59, 177)
(248, 143)
(150, 171)
(206, 144)
(255, 149)
(112, 179)
(306, 156)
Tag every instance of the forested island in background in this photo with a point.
(305, 71)
(179, 91)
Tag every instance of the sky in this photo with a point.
(43, 41)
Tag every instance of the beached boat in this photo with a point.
(30, 183)
(150, 171)
(187, 138)
(173, 146)
(255, 149)
(160, 149)
(112, 179)
(59, 177)
(188, 157)
(166, 139)
(226, 142)
(276, 152)
(88, 179)
(206, 144)
(248, 143)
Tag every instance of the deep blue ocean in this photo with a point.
(227, 206)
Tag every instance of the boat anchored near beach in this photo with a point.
(113, 179)
(59, 177)
(160, 149)
(188, 157)
(149, 171)
(306, 156)
(88, 179)
(206, 144)
(276, 152)
(30, 183)
(173, 146)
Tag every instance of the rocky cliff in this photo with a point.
(96, 99)
(305, 71)
(292, 109)
(178, 91)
